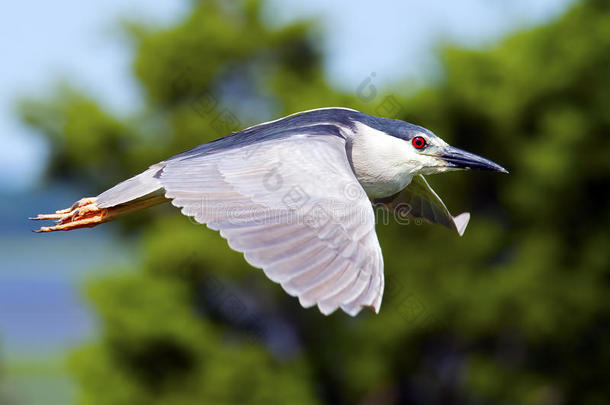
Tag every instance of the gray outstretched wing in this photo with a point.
(424, 203)
(295, 209)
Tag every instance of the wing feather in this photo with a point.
(283, 203)
(139, 186)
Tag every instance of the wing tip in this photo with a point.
(350, 310)
(461, 222)
(326, 309)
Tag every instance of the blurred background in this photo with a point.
(157, 309)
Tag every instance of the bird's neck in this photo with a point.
(383, 164)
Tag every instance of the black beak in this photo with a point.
(460, 159)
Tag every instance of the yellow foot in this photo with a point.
(82, 214)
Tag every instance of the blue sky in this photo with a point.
(44, 42)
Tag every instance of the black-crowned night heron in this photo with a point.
(294, 195)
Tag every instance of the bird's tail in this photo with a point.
(139, 192)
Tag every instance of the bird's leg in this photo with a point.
(86, 213)
(83, 213)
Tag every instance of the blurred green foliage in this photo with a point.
(516, 311)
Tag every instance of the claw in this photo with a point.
(46, 216)
(82, 214)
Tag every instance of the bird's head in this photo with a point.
(429, 154)
(425, 153)
(386, 154)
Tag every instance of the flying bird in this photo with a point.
(296, 196)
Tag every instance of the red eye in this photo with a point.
(418, 142)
